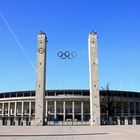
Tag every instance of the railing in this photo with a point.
(67, 123)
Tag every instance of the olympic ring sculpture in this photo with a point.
(66, 54)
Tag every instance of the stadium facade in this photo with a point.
(69, 107)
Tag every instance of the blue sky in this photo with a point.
(67, 24)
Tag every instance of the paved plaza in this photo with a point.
(70, 133)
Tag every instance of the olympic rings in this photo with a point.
(66, 54)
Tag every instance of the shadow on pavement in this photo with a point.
(54, 135)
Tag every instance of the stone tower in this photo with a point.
(94, 81)
(40, 81)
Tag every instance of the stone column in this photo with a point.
(9, 109)
(134, 121)
(15, 110)
(82, 111)
(0, 121)
(30, 113)
(73, 106)
(8, 121)
(64, 111)
(22, 109)
(2, 109)
(16, 121)
(30, 121)
(94, 80)
(126, 120)
(41, 80)
(46, 109)
(30, 103)
(119, 121)
(54, 109)
(24, 122)
(15, 114)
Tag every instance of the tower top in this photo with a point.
(41, 32)
(93, 34)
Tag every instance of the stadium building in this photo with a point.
(69, 107)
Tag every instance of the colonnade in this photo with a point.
(22, 112)
(16, 112)
(53, 111)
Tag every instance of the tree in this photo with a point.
(108, 105)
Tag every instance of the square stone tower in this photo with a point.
(40, 81)
(94, 81)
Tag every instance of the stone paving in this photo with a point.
(70, 133)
